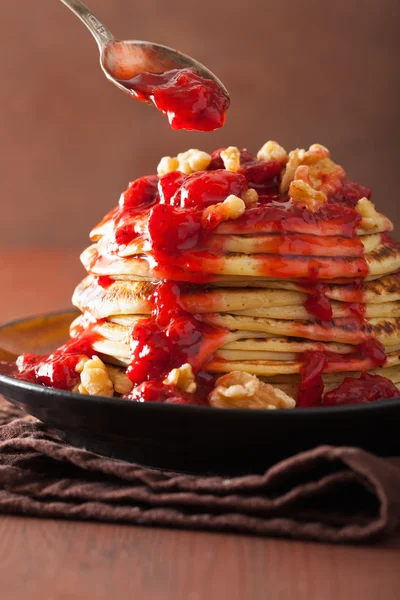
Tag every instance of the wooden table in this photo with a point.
(60, 560)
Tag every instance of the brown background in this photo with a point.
(298, 72)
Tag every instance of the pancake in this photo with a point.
(340, 310)
(371, 222)
(237, 351)
(290, 383)
(132, 297)
(252, 222)
(269, 368)
(346, 331)
(382, 260)
(274, 243)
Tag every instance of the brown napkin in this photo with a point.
(327, 494)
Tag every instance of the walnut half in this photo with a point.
(273, 151)
(188, 162)
(242, 390)
(94, 378)
(121, 382)
(231, 158)
(231, 208)
(183, 378)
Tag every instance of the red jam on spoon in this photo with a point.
(188, 100)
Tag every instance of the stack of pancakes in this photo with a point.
(261, 308)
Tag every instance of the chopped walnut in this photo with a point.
(80, 365)
(324, 175)
(183, 378)
(366, 209)
(302, 173)
(94, 378)
(166, 165)
(231, 208)
(193, 160)
(273, 151)
(250, 197)
(121, 382)
(188, 162)
(231, 158)
(303, 193)
(318, 151)
(370, 216)
(242, 390)
(295, 159)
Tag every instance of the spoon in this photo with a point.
(123, 60)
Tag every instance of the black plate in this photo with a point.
(187, 438)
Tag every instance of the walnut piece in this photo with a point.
(231, 158)
(370, 216)
(366, 209)
(231, 208)
(273, 151)
(193, 160)
(302, 193)
(121, 382)
(317, 151)
(188, 162)
(242, 390)
(80, 365)
(166, 165)
(250, 197)
(324, 175)
(94, 378)
(183, 378)
(295, 159)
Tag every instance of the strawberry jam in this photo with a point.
(59, 369)
(350, 194)
(367, 388)
(170, 338)
(104, 281)
(311, 385)
(318, 304)
(370, 354)
(202, 189)
(188, 100)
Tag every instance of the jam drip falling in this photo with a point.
(168, 339)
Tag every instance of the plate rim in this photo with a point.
(243, 412)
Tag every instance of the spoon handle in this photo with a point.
(100, 33)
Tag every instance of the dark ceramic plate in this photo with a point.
(187, 438)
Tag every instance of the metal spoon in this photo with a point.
(122, 60)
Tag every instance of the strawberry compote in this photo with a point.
(367, 388)
(188, 100)
(59, 369)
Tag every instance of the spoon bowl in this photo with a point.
(123, 60)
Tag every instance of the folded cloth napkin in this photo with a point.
(326, 494)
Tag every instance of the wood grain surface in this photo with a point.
(61, 560)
